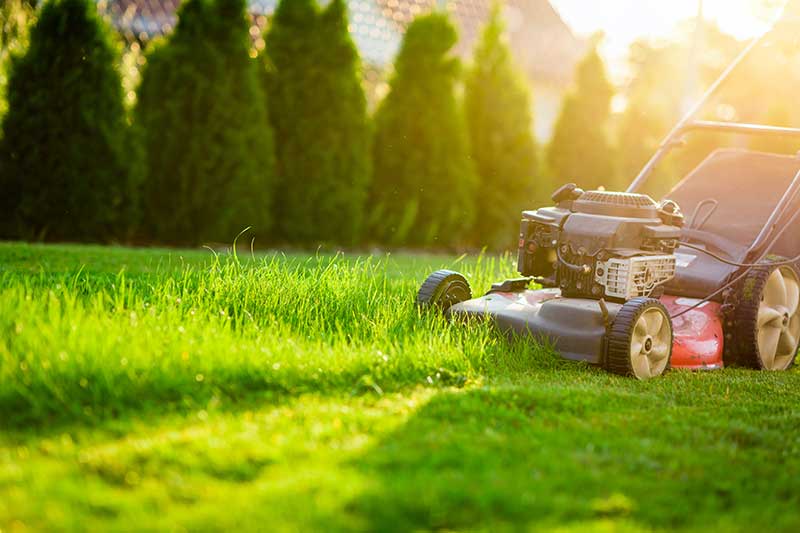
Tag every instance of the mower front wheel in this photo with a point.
(442, 290)
(640, 340)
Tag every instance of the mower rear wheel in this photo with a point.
(442, 290)
(640, 340)
(765, 330)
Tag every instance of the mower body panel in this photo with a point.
(698, 339)
(698, 275)
(576, 327)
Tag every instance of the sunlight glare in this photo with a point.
(625, 21)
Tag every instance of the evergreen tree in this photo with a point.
(64, 171)
(656, 98)
(15, 17)
(424, 181)
(319, 111)
(498, 112)
(202, 117)
(580, 151)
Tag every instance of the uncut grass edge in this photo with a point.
(78, 347)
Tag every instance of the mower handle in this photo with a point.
(785, 25)
(740, 128)
(669, 141)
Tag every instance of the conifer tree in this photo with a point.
(15, 18)
(319, 112)
(498, 112)
(65, 172)
(202, 118)
(423, 182)
(580, 151)
(653, 100)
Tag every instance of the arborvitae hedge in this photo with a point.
(15, 17)
(424, 182)
(202, 117)
(580, 151)
(65, 172)
(498, 111)
(318, 109)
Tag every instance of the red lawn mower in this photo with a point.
(629, 284)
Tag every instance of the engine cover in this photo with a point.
(601, 244)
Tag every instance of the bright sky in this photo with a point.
(624, 21)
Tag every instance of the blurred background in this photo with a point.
(358, 123)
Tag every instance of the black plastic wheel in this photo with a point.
(640, 340)
(764, 326)
(442, 290)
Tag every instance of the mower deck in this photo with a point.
(576, 327)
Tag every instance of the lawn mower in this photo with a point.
(636, 287)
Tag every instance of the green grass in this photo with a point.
(179, 390)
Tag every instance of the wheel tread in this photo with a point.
(435, 286)
(618, 359)
(741, 347)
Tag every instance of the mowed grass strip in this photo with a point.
(306, 393)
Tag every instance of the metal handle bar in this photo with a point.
(739, 128)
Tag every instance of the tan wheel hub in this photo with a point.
(650, 344)
(779, 319)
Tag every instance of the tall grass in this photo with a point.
(77, 346)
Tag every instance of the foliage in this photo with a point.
(203, 121)
(15, 17)
(65, 159)
(307, 393)
(580, 150)
(424, 180)
(772, 75)
(777, 114)
(318, 109)
(652, 107)
(498, 113)
(658, 94)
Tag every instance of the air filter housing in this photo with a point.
(634, 277)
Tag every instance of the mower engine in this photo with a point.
(600, 245)
(602, 258)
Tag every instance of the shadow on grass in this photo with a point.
(553, 446)
(552, 455)
(53, 401)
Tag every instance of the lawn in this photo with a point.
(187, 390)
